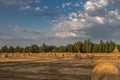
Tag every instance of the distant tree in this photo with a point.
(35, 48)
(49, 48)
(28, 49)
(118, 47)
(70, 48)
(111, 46)
(106, 47)
(62, 49)
(4, 49)
(11, 49)
(78, 46)
(95, 48)
(87, 46)
(44, 48)
(101, 46)
(84, 47)
(19, 49)
(55, 49)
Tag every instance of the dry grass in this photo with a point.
(105, 71)
(58, 55)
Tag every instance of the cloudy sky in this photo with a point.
(58, 22)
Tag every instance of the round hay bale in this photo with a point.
(105, 71)
(77, 56)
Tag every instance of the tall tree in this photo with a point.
(11, 49)
(35, 48)
(44, 48)
(101, 46)
(78, 46)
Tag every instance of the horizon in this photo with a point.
(58, 22)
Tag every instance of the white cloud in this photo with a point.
(63, 5)
(97, 15)
(89, 6)
(23, 4)
(18, 28)
(76, 4)
(37, 8)
(93, 5)
(66, 4)
(71, 34)
(65, 34)
(45, 7)
(33, 31)
(26, 7)
(99, 19)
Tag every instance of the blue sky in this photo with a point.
(58, 22)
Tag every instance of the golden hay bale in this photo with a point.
(4, 55)
(77, 56)
(105, 71)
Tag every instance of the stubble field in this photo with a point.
(74, 68)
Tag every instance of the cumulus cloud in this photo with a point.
(98, 21)
(95, 5)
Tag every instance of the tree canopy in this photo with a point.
(86, 46)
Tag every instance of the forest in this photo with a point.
(87, 46)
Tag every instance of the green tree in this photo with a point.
(78, 46)
(62, 49)
(35, 48)
(95, 48)
(101, 46)
(28, 49)
(4, 49)
(11, 49)
(44, 48)
(111, 46)
(87, 46)
(19, 49)
(106, 47)
(55, 49)
(70, 48)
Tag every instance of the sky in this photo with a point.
(58, 22)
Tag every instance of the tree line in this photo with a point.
(86, 46)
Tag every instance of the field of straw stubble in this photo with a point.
(55, 66)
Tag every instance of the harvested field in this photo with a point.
(50, 68)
